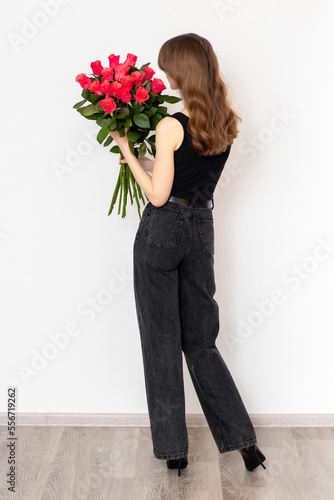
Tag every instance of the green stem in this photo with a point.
(120, 195)
(125, 197)
(135, 194)
(140, 193)
(113, 201)
(129, 185)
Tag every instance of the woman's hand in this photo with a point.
(122, 142)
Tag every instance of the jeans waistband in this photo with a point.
(192, 203)
(172, 206)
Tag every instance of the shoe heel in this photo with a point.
(177, 463)
(253, 457)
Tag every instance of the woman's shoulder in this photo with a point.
(169, 121)
(171, 130)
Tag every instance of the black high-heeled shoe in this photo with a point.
(253, 457)
(177, 463)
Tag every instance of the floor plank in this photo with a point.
(117, 463)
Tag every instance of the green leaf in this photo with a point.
(138, 108)
(151, 100)
(98, 121)
(144, 66)
(87, 110)
(142, 120)
(102, 134)
(98, 107)
(132, 135)
(142, 149)
(155, 120)
(108, 141)
(162, 110)
(170, 99)
(115, 149)
(151, 111)
(151, 139)
(79, 104)
(157, 98)
(113, 126)
(127, 123)
(105, 122)
(93, 117)
(87, 94)
(121, 131)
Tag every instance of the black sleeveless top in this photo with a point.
(195, 176)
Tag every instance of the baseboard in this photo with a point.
(142, 420)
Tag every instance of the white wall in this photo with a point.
(273, 206)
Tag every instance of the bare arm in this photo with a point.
(157, 188)
(145, 162)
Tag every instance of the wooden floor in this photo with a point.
(117, 463)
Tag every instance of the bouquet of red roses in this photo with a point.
(122, 96)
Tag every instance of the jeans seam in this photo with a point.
(199, 346)
(191, 238)
(223, 449)
(205, 249)
(213, 413)
(171, 456)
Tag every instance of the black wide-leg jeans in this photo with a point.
(174, 286)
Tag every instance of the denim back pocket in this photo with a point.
(206, 233)
(163, 229)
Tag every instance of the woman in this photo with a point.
(173, 259)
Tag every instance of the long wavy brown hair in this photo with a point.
(191, 62)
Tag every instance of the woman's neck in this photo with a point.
(185, 111)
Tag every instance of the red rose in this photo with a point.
(96, 67)
(121, 70)
(113, 61)
(108, 104)
(141, 94)
(137, 77)
(124, 95)
(127, 82)
(115, 88)
(95, 87)
(106, 88)
(107, 74)
(84, 81)
(148, 72)
(131, 59)
(157, 85)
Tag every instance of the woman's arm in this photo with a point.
(145, 162)
(158, 187)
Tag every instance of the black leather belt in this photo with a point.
(196, 203)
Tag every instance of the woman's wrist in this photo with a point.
(126, 151)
